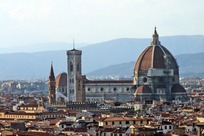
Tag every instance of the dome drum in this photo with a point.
(143, 80)
(160, 72)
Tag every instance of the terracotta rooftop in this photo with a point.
(108, 119)
(29, 105)
(34, 134)
(143, 89)
(178, 89)
(61, 80)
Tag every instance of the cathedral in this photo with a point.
(156, 74)
(156, 77)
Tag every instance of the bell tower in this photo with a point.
(74, 74)
(51, 87)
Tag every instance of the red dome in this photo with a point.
(143, 89)
(155, 56)
(61, 80)
(178, 89)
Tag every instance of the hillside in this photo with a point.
(189, 64)
(100, 55)
(120, 51)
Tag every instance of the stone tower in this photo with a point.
(51, 87)
(75, 85)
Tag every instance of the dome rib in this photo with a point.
(138, 62)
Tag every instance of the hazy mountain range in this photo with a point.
(111, 57)
(189, 65)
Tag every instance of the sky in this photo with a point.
(29, 22)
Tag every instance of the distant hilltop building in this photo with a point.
(156, 77)
(156, 74)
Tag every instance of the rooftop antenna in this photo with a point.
(73, 44)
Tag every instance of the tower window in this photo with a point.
(77, 67)
(71, 91)
(71, 67)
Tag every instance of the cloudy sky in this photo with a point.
(26, 22)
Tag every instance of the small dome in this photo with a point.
(61, 80)
(143, 89)
(178, 89)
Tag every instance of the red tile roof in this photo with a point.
(61, 80)
(34, 134)
(178, 89)
(143, 89)
(153, 57)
